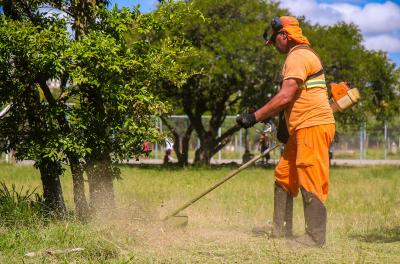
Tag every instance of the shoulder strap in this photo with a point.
(314, 75)
(307, 47)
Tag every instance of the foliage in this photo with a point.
(19, 208)
(103, 110)
(119, 77)
(99, 64)
(100, 67)
(231, 64)
(29, 55)
(239, 73)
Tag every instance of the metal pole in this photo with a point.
(161, 129)
(156, 146)
(240, 140)
(385, 141)
(365, 141)
(219, 152)
(361, 143)
(8, 154)
(236, 143)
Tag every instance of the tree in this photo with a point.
(103, 111)
(238, 73)
(81, 14)
(232, 65)
(112, 76)
(28, 57)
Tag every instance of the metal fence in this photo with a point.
(360, 143)
(352, 144)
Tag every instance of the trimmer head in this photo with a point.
(176, 221)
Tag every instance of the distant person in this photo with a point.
(310, 124)
(264, 142)
(147, 148)
(168, 151)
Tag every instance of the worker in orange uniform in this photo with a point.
(309, 120)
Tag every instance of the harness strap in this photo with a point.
(311, 81)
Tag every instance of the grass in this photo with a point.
(363, 220)
(371, 154)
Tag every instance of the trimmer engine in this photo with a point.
(343, 97)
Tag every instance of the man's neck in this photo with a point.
(291, 45)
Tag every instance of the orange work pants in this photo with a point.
(305, 161)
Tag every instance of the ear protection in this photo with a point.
(276, 24)
(273, 29)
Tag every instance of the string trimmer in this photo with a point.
(174, 219)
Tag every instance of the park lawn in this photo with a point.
(363, 220)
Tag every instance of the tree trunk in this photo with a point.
(81, 205)
(184, 161)
(50, 173)
(181, 145)
(206, 151)
(210, 144)
(101, 189)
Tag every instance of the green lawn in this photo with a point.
(363, 220)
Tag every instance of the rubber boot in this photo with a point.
(315, 219)
(289, 217)
(283, 216)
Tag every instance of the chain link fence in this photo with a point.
(353, 144)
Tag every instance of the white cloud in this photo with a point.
(378, 22)
(373, 18)
(383, 42)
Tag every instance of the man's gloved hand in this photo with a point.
(246, 120)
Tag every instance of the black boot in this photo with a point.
(283, 216)
(315, 219)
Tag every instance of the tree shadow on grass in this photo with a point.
(379, 235)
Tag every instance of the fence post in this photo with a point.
(219, 152)
(385, 140)
(161, 129)
(156, 146)
(236, 143)
(365, 145)
(361, 142)
(240, 140)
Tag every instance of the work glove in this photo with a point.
(246, 120)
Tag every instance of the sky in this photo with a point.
(378, 20)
